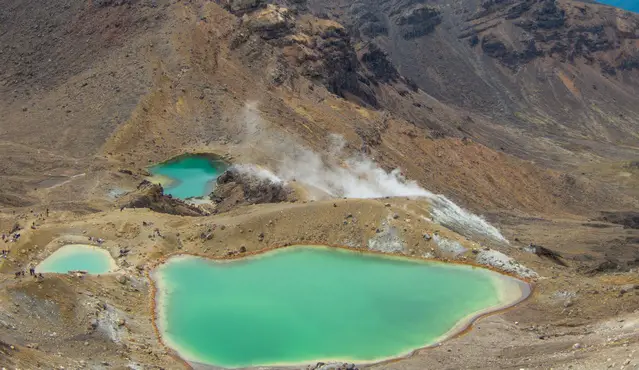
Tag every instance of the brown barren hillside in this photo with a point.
(564, 71)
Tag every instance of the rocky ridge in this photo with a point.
(562, 30)
(523, 63)
(151, 196)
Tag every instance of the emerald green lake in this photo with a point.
(188, 176)
(304, 304)
(75, 257)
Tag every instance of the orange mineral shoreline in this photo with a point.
(464, 326)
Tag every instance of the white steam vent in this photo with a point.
(257, 171)
(363, 178)
(356, 177)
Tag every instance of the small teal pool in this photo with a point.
(78, 257)
(306, 304)
(629, 5)
(188, 176)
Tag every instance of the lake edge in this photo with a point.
(503, 282)
(67, 249)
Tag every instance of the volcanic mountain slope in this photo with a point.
(156, 79)
(560, 77)
(148, 80)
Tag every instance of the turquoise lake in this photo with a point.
(75, 257)
(304, 304)
(630, 5)
(189, 176)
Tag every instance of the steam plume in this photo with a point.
(356, 177)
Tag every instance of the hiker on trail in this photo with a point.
(32, 271)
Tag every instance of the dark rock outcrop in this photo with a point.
(240, 7)
(271, 22)
(418, 21)
(376, 61)
(241, 186)
(549, 15)
(151, 196)
(632, 165)
(629, 219)
(603, 267)
(367, 22)
(337, 64)
(550, 31)
(105, 3)
(548, 253)
(317, 49)
(494, 47)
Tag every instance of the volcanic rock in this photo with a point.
(271, 22)
(418, 21)
(151, 196)
(239, 186)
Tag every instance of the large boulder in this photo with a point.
(241, 185)
(151, 196)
